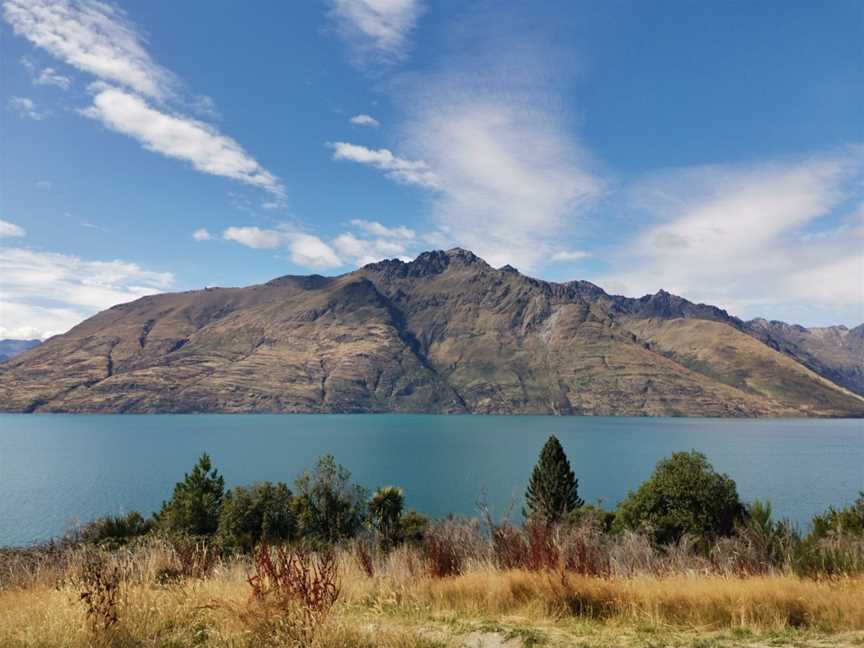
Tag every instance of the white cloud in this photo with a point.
(749, 238)
(45, 293)
(8, 229)
(179, 137)
(378, 31)
(365, 120)
(25, 108)
(511, 179)
(362, 251)
(563, 256)
(310, 251)
(94, 37)
(304, 249)
(377, 229)
(202, 234)
(396, 168)
(97, 37)
(49, 76)
(254, 237)
(485, 127)
(43, 184)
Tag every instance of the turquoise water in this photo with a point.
(57, 470)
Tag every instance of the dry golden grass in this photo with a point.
(402, 607)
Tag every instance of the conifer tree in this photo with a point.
(196, 502)
(553, 491)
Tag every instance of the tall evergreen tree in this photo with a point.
(553, 491)
(196, 502)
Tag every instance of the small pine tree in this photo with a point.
(195, 504)
(553, 491)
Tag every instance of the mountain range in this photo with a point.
(444, 333)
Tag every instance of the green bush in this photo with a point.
(328, 507)
(684, 495)
(112, 532)
(196, 502)
(252, 514)
(593, 515)
(413, 527)
(848, 520)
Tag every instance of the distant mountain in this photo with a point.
(443, 333)
(11, 348)
(835, 352)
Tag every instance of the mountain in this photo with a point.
(443, 333)
(835, 352)
(11, 348)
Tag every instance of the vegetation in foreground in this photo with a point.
(680, 562)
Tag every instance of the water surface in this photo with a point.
(57, 470)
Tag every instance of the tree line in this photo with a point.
(684, 496)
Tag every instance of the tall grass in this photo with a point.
(160, 592)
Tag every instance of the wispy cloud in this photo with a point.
(484, 129)
(739, 235)
(566, 256)
(94, 37)
(202, 234)
(26, 108)
(414, 172)
(377, 31)
(50, 77)
(179, 137)
(254, 237)
(133, 91)
(45, 293)
(8, 230)
(365, 120)
(371, 242)
(377, 229)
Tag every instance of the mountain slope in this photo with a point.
(835, 352)
(444, 333)
(11, 348)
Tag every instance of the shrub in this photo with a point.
(553, 490)
(413, 527)
(848, 520)
(592, 515)
(684, 495)
(328, 507)
(98, 583)
(301, 586)
(195, 505)
(385, 512)
(442, 554)
(252, 514)
(113, 532)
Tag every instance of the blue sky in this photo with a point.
(712, 149)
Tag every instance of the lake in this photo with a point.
(57, 470)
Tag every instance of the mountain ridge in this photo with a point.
(445, 332)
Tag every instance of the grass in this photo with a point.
(401, 606)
